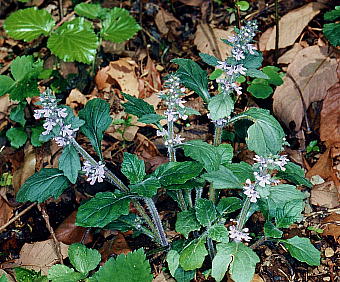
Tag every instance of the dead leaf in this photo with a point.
(150, 81)
(330, 116)
(289, 56)
(163, 277)
(5, 103)
(165, 21)
(314, 71)
(68, 233)
(256, 278)
(40, 256)
(101, 78)
(195, 3)
(331, 226)
(67, 68)
(123, 72)
(76, 99)
(6, 211)
(264, 39)
(116, 246)
(325, 195)
(292, 24)
(208, 40)
(323, 166)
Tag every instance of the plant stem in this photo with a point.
(243, 215)
(211, 248)
(218, 135)
(277, 34)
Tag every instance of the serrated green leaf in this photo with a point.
(289, 214)
(132, 267)
(137, 107)
(18, 113)
(220, 106)
(3, 278)
(242, 266)
(270, 230)
(256, 73)
(91, 11)
(225, 151)
(28, 275)
(332, 15)
(74, 41)
(215, 74)
(209, 59)
(187, 222)
(274, 77)
(5, 84)
(242, 171)
(69, 163)
(219, 233)
(133, 168)
(172, 259)
(146, 188)
(222, 178)
(62, 273)
(177, 172)
(252, 61)
(151, 118)
(332, 33)
(193, 77)
(119, 26)
(97, 119)
(229, 205)
(205, 211)
(35, 135)
(220, 265)
(193, 255)
(28, 24)
(283, 193)
(83, 259)
(17, 136)
(261, 91)
(295, 174)
(302, 250)
(47, 183)
(21, 66)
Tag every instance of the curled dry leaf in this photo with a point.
(40, 256)
(291, 25)
(165, 22)
(314, 71)
(76, 99)
(208, 40)
(150, 81)
(123, 72)
(102, 78)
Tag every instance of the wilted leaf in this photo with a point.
(314, 72)
(292, 24)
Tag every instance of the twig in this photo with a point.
(42, 209)
(3, 227)
(61, 14)
(321, 212)
(277, 35)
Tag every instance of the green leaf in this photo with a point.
(184, 276)
(220, 106)
(295, 174)
(21, 66)
(146, 188)
(274, 77)
(177, 172)
(69, 163)
(302, 250)
(261, 91)
(289, 214)
(102, 209)
(28, 24)
(74, 41)
(172, 259)
(219, 233)
(187, 222)
(132, 267)
(266, 135)
(119, 26)
(242, 171)
(252, 61)
(48, 182)
(332, 33)
(91, 11)
(256, 73)
(242, 266)
(62, 273)
(151, 118)
(17, 136)
(133, 168)
(209, 59)
(193, 77)
(28, 275)
(83, 259)
(283, 193)
(3, 278)
(332, 15)
(270, 230)
(5, 84)
(226, 152)
(190, 184)
(205, 212)
(222, 178)
(193, 255)
(243, 5)
(18, 113)
(35, 135)
(215, 74)
(220, 265)
(137, 107)
(97, 119)
(229, 205)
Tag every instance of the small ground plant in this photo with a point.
(213, 228)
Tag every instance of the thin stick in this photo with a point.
(17, 216)
(277, 35)
(61, 9)
(43, 211)
(321, 212)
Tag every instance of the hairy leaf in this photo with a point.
(137, 107)
(222, 178)
(83, 259)
(187, 222)
(242, 171)
(270, 230)
(229, 205)
(209, 59)
(220, 265)
(133, 168)
(219, 233)
(69, 163)
(146, 188)
(193, 255)
(205, 211)
(17, 136)
(62, 273)
(295, 174)
(220, 106)
(18, 114)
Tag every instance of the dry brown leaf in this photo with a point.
(76, 99)
(101, 78)
(292, 24)
(256, 278)
(67, 68)
(123, 72)
(323, 166)
(264, 39)
(332, 226)
(150, 82)
(325, 195)
(165, 21)
(40, 256)
(208, 40)
(289, 56)
(163, 277)
(195, 3)
(6, 211)
(5, 103)
(116, 246)
(330, 116)
(314, 72)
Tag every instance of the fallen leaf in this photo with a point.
(163, 277)
(76, 99)
(40, 256)
(208, 40)
(323, 166)
(150, 81)
(117, 246)
(68, 233)
(165, 21)
(264, 39)
(5, 103)
(325, 195)
(331, 226)
(195, 3)
(101, 78)
(314, 71)
(123, 72)
(256, 278)
(6, 211)
(292, 24)
(289, 56)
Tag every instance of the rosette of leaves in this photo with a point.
(332, 30)
(75, 40)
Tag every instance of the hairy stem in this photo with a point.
(211, 248)
(243, 215)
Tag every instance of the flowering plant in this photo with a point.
(214, 226)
